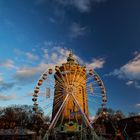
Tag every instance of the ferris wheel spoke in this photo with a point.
(58, 82)
(93, 100)
(59, 90)
(63, 112)
(95, 96)
(58, 79)
(50, 77)
(58, 93)
(57, 100)
(93, 91)
(91, 86)
(47, 106)
(49, 112)
(56, 105)
(89, 79)
(70, 76)
(80, 81)
(66, 75)
(94, 83)
(93, 107)
(63, 79)
(74, 76)
(42, 101)
(78, 77)
(90, 91)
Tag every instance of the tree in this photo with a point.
(20, 115)
(119, 115)
(110, 111)
(131, 114)
(9, 117)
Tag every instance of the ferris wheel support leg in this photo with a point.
(58, 113)
(81, 136)
(85, 117)
(94, 135)
(85, 136)
(46, 137)
(55, 135)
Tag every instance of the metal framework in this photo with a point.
(68, 90)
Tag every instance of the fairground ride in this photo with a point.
(70, 95)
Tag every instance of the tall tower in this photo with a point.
(70, 78)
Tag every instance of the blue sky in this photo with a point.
(37, 34)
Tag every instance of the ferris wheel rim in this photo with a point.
(43, 78)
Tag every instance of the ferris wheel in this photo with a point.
(69, 87)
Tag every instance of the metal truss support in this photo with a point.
(85, 117)
(54, 121)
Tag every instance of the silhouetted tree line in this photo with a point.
(21, 116)
(107, 122)
(111, 123)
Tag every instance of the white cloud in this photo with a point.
(1, 78)
(81, 5)
(136, 53)
(97, 63)
(22, 57)
(6, 85)
(134, 83)
(129, 82)
(54, 55)
(18, 51)
(137, 85)
(28, 74)
(52, 20)
(77, 30)
(46, 56)
(31, 56)
(48, 43)
(8, 97)
(138, 105)
(130, 71)
(8, 64)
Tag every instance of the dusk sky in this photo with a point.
(37, 34)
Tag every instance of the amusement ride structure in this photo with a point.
(70, 95)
